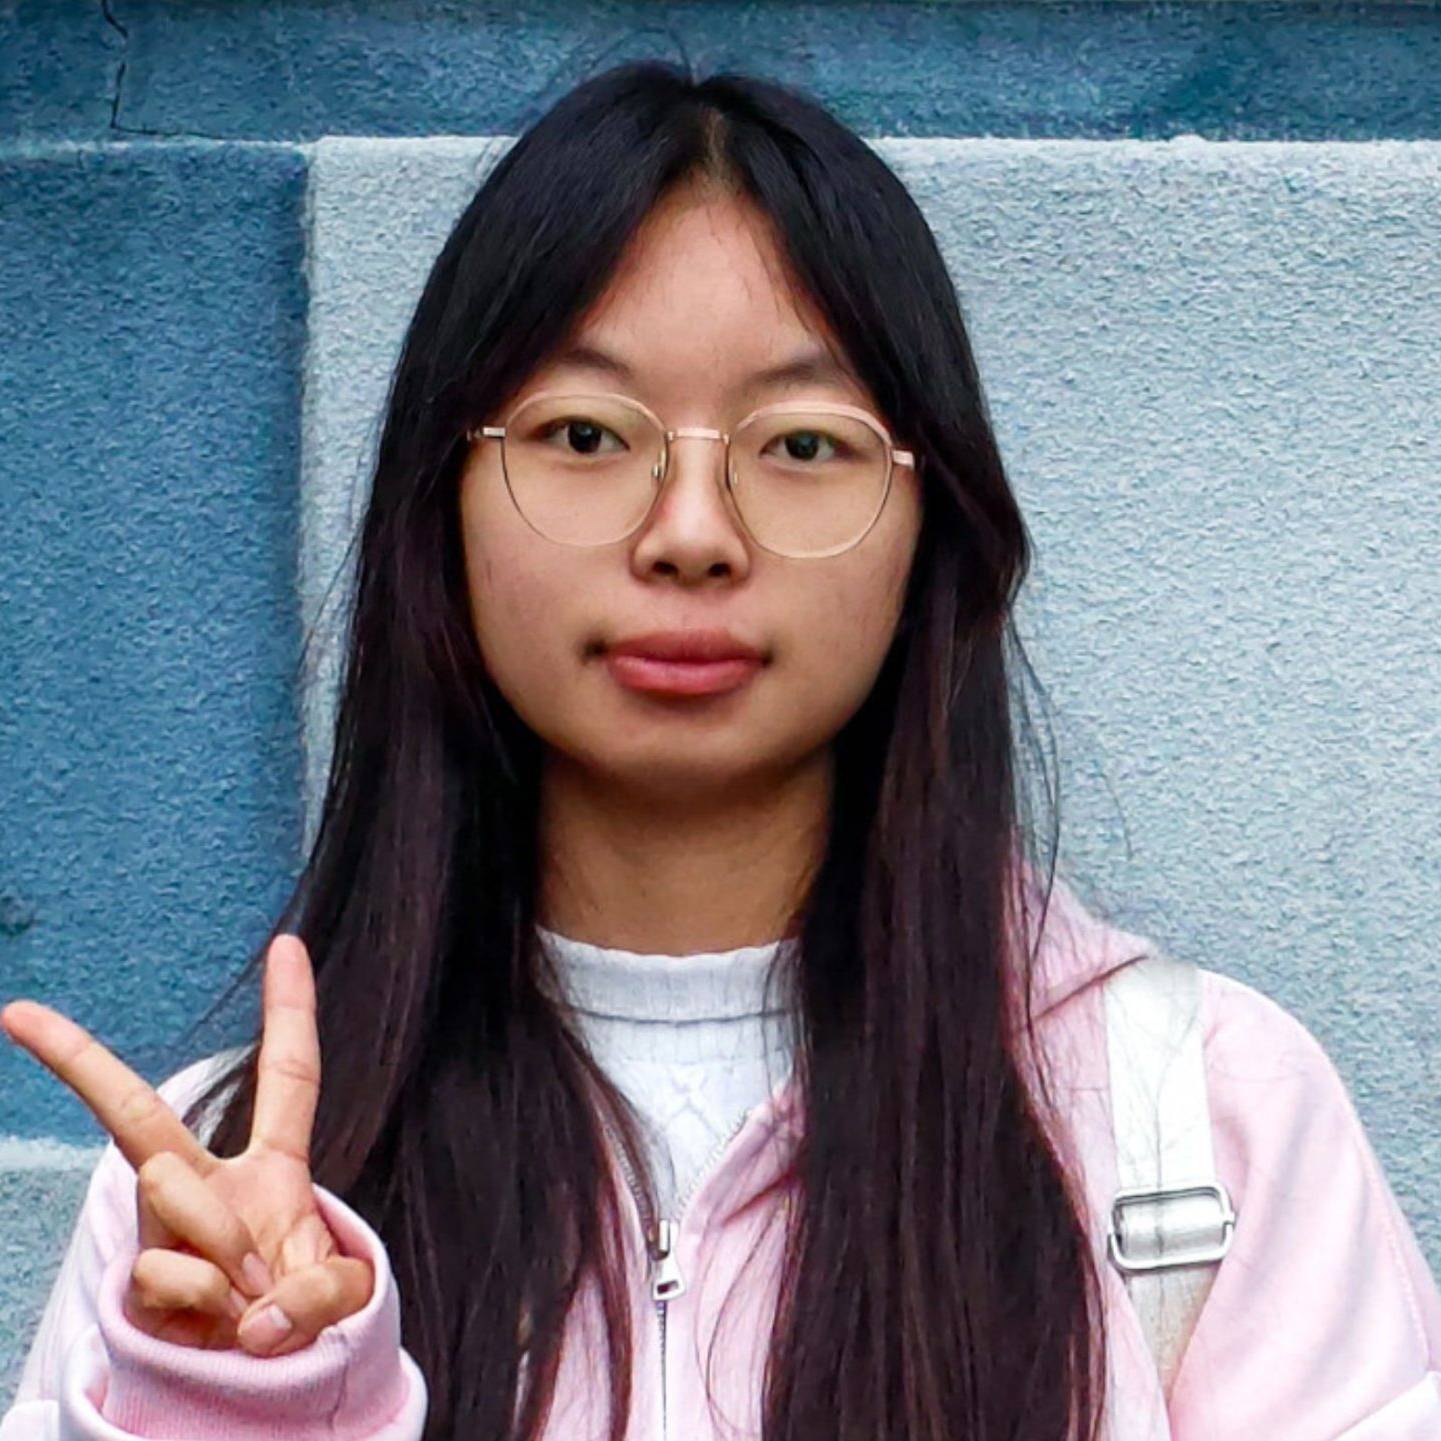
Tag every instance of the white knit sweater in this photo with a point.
(693, 1041)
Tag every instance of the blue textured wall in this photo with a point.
(1212, 367)
(154, 308)
(904, 67)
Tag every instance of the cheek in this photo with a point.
(509, 591)
(839, 639)
(866, 597)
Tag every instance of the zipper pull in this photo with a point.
(666, 1279)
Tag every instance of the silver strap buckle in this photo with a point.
(1170, 1255)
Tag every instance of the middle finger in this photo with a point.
(287, 1085)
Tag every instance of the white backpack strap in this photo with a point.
(1171, 1220)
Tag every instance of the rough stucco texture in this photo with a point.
(1213, 373)
(288, 70)
(38, 1207)
(153, 304)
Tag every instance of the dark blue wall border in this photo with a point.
(1225, 70)
(152, 320)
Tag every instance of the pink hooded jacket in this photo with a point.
(1323, 1322)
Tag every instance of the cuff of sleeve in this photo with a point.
(346, 1383)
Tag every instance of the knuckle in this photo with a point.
(327, 1290)
(146, 1275)
(153, 1170)
(237, 1241)
(138, 1107)
(354, 1280)
(215, 1289)
(321, 1297)
(275, 1147)
(167, 1280)
(360, 1270)
(293, 1069)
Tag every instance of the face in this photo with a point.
(698, 307)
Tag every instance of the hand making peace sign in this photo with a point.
(221, 1241)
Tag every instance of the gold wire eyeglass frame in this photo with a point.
(661, 470)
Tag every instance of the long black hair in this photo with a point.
(938, 1281)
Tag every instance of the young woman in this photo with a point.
(703, 1054)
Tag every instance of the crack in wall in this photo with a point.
(111, 19)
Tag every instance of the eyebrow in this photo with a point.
(806, 367)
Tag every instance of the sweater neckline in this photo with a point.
(655, 986)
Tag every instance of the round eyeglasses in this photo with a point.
(806, 479)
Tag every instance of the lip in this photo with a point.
(686, 645)
(695, 662)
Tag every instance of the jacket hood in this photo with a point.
(1076, 946)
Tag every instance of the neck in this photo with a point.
(695, 869)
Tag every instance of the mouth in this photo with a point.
(680, 677)
(692, 663)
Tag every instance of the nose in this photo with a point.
(692, 527)
(699, 452)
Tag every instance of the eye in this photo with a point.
(582, 436)
(805, 445)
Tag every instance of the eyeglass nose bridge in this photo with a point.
(697, 432)
(691, 432)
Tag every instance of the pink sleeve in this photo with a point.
(93, 1376)
(1324, 1320)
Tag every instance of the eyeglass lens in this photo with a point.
(584, 470)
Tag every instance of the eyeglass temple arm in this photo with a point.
(497, 432)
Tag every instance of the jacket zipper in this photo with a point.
(666, 1280)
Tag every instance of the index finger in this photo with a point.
(287, 1084)
(127, 1105)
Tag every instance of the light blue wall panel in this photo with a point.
(42, 1185)
(1214, 374)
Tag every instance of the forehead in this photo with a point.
(701, 302)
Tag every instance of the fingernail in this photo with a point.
(264, 1329)
(237, 1304)
(257, 1274)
